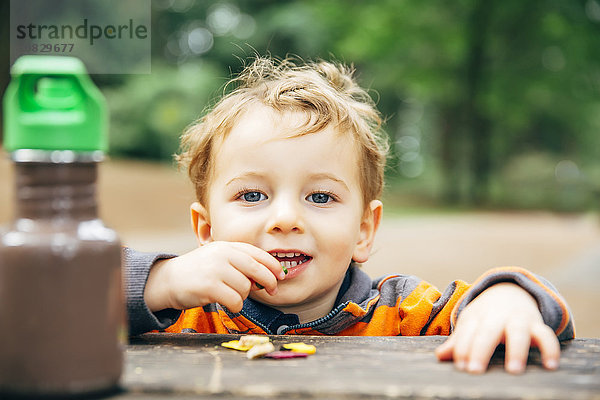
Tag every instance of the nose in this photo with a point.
(285, 217)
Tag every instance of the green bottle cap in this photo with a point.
(52, 104)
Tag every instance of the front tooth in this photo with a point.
(282, 264)
(293, 264)
(281, 254)
(288, 264)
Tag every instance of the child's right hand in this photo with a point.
(218, 272)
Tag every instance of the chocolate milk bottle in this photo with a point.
(61, 308)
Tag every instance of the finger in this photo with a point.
(258, 286)
(545, 339)
(228, 297)
(262, 257)
(236, 280)
(464, 334)
(253, 271)
(483, 345)
(444, 351)
(517, 340)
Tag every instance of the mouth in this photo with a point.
(289, 258)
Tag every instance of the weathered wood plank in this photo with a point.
(196, 366)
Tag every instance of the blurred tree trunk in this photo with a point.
(481, 162)
(477, 125)
(450, 157)
(465, 129)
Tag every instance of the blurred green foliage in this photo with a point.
(488, 103)
(149, 112)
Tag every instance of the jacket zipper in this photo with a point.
(326, 318)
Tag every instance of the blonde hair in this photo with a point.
(325, 91)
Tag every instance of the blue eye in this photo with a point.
(320, 198)
(253, 197)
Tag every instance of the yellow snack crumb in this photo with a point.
(300, 348)
(235, 345)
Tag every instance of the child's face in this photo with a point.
(297, 196)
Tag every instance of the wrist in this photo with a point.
(512, 291)
(156, 292)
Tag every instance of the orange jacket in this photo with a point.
(389, 306)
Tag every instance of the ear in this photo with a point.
(368, 227)
(201, 223)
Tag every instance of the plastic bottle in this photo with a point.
(61, 306)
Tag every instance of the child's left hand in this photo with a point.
(503, 313)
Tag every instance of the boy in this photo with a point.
(288, 170)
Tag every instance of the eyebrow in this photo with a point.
(326, 176)
(318, 176)
(245, 175)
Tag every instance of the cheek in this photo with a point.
(340, 236)
(230, 226)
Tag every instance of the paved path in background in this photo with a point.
(148, 205)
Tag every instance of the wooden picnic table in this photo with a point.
(186, 366)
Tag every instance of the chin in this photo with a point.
(280, 299)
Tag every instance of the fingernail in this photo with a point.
(475, 366)
(282, 275)
(515, 367)
(461, 365)
(551, 364)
